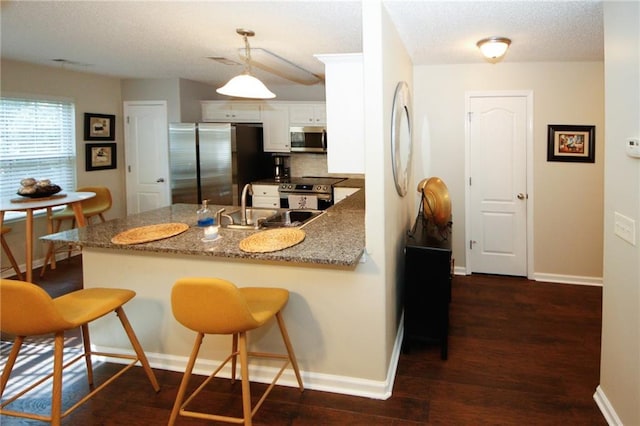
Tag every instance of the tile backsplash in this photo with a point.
(309, 164)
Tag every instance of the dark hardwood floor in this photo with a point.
(520, 353)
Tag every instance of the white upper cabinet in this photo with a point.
(275, 128)
(231, 111)
(308, 114)
(345, 112)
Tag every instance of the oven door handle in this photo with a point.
(324, 139)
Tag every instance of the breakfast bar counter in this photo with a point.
(334, 238)
(334, 317)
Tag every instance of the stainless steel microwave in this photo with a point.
(308, 139)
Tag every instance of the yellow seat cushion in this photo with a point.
(83, 306)
(26, 309)
(217, 306)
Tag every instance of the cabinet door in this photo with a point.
(308, 114)
(265, 190)
(266, 202)
(246, 112)
(234, 112)
(275, 128)
(215, 111)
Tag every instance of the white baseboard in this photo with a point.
(568, 279)
(551, 278)
(264, 374)
(606, 408)
(459, 270)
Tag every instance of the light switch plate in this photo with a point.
(625, 228)
(633, 147)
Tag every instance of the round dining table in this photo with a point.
(29, 205)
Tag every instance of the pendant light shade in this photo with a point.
(494, 48)
(245, 85)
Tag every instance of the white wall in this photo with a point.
(91, 93)
(619, 392)
(386, 62)
(568, 197)
(154, 89)
(191, 93)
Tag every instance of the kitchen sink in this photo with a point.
(291, 218)
(268, 218)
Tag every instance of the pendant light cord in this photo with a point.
(247, 54)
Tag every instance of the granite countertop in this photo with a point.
(336, 237)
(350, 183)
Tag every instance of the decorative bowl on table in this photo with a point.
(436, 201)
(41, 191)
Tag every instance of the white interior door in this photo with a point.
(497, 185)
(147, 155)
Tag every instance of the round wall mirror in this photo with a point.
(401, 137)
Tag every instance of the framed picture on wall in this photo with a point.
(99, 127)
(100, 156)
(571, 143)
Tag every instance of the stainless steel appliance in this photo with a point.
(318, 188)
(213, 161)
(308, 139)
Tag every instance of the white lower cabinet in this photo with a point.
(265, 196)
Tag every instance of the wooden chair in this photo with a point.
(217, 306)
(27, 310)
(91, 207)
(7, 251)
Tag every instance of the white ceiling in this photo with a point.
(173, 39)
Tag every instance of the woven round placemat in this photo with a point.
(145, 234)
(272, 240)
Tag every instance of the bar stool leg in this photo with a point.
(246, 387)
(13, 355)
(292, 355)
(12, 259)
(182, 390)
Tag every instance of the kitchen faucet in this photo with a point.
(247, 188)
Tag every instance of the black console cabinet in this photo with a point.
(427, 286)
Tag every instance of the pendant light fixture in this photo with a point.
(245, 85)
(494, 48)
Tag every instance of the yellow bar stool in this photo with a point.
(7, 250)
(217, 306)
(27, 310)
(91, 207)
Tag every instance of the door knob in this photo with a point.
(160, 180)
(521, 196)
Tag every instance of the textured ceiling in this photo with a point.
(174, 39)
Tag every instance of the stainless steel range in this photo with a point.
(308, 192)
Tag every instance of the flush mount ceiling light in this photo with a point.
(494, 48)
(245, 85)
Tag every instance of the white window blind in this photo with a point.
(37, 139)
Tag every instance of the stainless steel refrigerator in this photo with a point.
(213, 161)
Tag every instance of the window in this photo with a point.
(37, 140)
